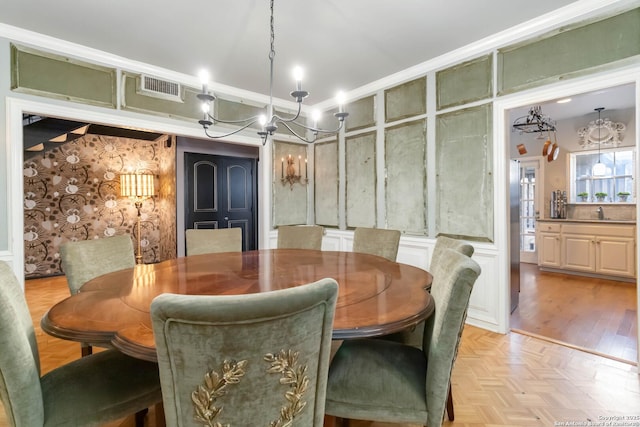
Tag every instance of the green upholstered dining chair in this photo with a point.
(444, 242)
(212, 241)
(90, 391)
(84, 260)
(413, 336)
(387, 381)
(245, 360)
(300, 237)
(377, 241)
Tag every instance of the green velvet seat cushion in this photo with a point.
(87, 259)
(99, 388)
(213, 241)
(199, 334)
(377, 241)
(300, 237)
(383, 377)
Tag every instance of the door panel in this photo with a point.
(529, 210)
(205, 179)
(221, 192)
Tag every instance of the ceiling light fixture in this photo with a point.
(269, 122)
(535, 121)
(599, 169)
(601, 131)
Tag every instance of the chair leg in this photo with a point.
(160, 420)
(86, 349)
(450, 404)
(140, 417)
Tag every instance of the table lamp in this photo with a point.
(138, 187)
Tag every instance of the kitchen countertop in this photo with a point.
(594, 221)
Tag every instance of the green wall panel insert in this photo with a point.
(326, 182)
(406, 182)
(55, 76)
(361, 180)
(235, 110)
(361, 113)
(186, 109)
(232, 110)
(406, 100)
(464, 177)
(289, 201)
(568, 52)
(464, 83)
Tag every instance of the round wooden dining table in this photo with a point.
(376, 296)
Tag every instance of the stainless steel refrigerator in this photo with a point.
(514, 231)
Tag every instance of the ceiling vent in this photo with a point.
(164, 89)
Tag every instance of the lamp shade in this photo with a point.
(599, 169)
(136, 185)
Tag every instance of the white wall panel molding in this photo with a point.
(485, 305)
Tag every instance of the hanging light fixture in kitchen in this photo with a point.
(599, 169)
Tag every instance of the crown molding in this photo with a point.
(87, 54)
(573, 13)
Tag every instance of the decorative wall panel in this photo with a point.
(361, 113)
(326, 183)
(464, 174)
(407, 100)
(55, 76)
(567, 51)
(289, 199)
(73, 193)
(166, 200)
(132, 99)
(405, 189)
(464, 83)
(361, 180)
(233, 110)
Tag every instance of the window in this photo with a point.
(528, 210)
(618, 178)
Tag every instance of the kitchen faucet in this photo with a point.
(600, 212)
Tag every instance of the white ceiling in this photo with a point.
(342, 44)
(584, 104)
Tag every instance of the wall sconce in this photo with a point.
(138, 187)
(288, 174)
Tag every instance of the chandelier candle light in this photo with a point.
(269, 122)
(138, 187)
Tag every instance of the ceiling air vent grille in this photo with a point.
(158, 88)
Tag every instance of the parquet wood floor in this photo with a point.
(595, 314)
(498, 380)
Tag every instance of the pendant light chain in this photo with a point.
(272, 55)
(599, 169)
(272, 52)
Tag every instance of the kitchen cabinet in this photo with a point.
(549, 245)
(606, 249)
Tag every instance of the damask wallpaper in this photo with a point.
(73, 193)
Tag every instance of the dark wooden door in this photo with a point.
(221, 192)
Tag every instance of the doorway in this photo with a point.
(588, 86)
(221, 192)
(529, 209)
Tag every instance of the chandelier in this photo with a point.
(601, 131)
(269, 122)
(535, 121)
